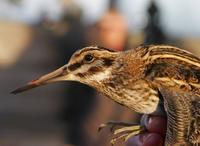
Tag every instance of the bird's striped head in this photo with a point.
(89, 65)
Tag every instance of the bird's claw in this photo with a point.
(125, 132)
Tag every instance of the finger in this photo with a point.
(153, 139)
(146, 139)
(155, 124)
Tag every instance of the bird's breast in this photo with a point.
(138, 96)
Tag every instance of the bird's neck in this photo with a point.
(126, 85)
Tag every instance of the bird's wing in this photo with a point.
(195, 125)
(183, 114)
(176, 74)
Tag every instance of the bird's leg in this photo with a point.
(126, 131)
(113, 125)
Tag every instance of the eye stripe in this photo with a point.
(75, 66)
(107, 62)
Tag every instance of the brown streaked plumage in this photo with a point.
(144, 79)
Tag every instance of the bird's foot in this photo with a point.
(126, 131)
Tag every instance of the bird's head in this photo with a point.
(89, 65)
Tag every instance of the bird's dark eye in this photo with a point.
(88, 58)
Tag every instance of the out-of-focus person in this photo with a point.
(111, 31)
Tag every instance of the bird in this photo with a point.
(148, 79)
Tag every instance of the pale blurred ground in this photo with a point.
(14, 38)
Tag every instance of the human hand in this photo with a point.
(156, 130)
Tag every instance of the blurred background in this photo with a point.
(38, 36)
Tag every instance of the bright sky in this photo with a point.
(179, 17)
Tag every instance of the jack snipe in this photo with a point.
(141, 79)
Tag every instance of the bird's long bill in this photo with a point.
(54, 76)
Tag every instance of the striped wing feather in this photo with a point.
(183, 127)
(176, 73)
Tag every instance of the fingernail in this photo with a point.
(149, 121)
(145, 120)
(135, 141)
